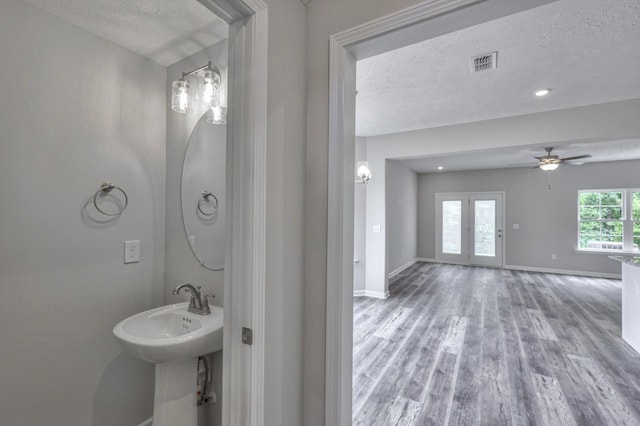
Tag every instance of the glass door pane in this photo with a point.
(484, 228)
(486, 245)
(452, 227)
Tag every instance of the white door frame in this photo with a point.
(244, 294)
(411, 25)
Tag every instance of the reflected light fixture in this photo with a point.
(207, 94)
(363, 172)
(549, 166)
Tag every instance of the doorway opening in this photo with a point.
(423, 21)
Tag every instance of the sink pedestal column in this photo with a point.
(175, 399)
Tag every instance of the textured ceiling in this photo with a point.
(587, 51)
(517, 156)
(164, 31)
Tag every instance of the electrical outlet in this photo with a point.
(132, 251)
(553, 256)
(376, 229)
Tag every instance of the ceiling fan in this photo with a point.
(551, 162)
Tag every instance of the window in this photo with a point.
(609, 220)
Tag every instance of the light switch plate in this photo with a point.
(132, 251)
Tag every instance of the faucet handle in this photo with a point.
(205, 302)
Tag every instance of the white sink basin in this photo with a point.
(170, 333)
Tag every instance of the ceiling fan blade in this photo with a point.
(578, 157)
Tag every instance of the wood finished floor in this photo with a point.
(457, 345)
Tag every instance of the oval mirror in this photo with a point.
(203, 192)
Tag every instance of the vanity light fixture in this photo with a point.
(207, 94)
(363, 172)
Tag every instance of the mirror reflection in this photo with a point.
(203, 192)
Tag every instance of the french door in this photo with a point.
(469, 228)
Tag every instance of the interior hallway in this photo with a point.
(459, 345)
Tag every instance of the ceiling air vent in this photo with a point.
(484, 62)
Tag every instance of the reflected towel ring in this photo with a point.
(205, 196)
(107, 187)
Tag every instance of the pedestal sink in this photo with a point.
(173, 339)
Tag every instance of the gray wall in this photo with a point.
(547, 217)
(402, 214)
(181, 265)
(287, 88)
(360, 222)
(76, 111)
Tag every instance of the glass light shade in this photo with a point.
(217, 115)
(549, 166)
(208, 91)
(363, 171)
(180, 96)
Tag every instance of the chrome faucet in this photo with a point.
(199, 304)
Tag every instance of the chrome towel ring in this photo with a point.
(205, 196)
(106, 188)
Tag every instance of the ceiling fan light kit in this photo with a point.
(552, 162)
(549, 166)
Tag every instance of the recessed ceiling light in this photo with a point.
(440, 167)
(543, 92)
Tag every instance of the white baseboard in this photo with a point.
(402, 268)
(425, 259)
(148, 422)
(371, 293)
(563, 272)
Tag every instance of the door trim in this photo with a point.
(244, 287)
